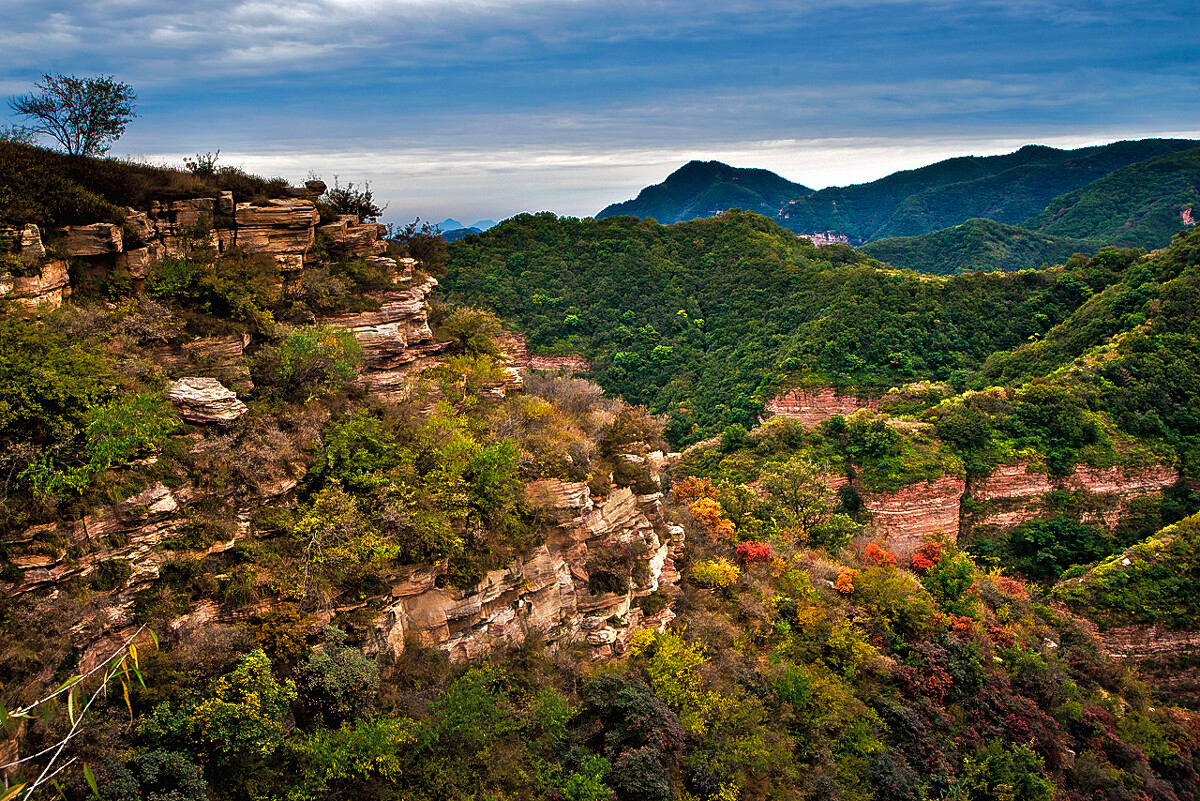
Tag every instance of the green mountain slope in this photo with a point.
(1008, 188)
(701, 320)
(1138, 205)
(705, 188)
(977, 244)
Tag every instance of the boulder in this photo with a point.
(205, 400)
(97, 239)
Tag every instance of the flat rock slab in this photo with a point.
(205, 400)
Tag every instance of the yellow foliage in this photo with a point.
(717, 573)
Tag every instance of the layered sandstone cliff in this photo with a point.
(1011, 495)
(548, 589)
(812, 406)
(1015, 493)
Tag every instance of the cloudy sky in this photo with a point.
(485, 108)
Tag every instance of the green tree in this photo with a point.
(82, 114)
(338, 683)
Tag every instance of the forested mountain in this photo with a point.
(1009, 189)
(705, 188)
(1136, 206)
(977, 244)
(703, 320)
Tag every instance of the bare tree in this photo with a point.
(82, 114)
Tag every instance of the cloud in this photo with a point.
(576, 103)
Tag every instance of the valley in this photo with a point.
(608, 508)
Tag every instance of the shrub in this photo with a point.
(349, 199)
(845, 581)
(719, 573)
(878, 556)
(307, 362)
(155, 775)
(338, 683)
(754, 552)
(111, 575)
(471, 331)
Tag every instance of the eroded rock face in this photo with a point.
(516, 351)
(814, 406)
(205, 400)
(907, 518)
(1014, 494)
(42, 292)
(97, 239)
(393, 339)
(1011, 495)
(547, 590)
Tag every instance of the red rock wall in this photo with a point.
(516, 351)
(813, 406)
(908, 517)
(1014, 494)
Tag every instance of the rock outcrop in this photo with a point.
(549, 589)
(219, 357)
(816, 405)
(393, 339)
(44, 291)
(516, 351)
(1015, 494)
(205, 400)
(905, 519)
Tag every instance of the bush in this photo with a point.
(155, 775)
(719, 573)
(349, 199)
(307, 362)
(338, 683)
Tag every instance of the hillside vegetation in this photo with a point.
(1137, 206)
(977, 244)
(795, 657)
(703, 320)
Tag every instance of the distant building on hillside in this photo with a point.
(826, 238)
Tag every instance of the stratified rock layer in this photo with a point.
(548, 589)
(816, 405)
(205, 400)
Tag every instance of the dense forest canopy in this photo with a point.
(704, 320)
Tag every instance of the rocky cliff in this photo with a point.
(811, 406)
(1011, 495)
(1014, 494)
(548, 590)
(905, 519)
(287, 229)
(123, 549)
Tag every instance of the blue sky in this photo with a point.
(484, 109)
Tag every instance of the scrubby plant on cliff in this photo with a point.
(339, 683)
(307, 361)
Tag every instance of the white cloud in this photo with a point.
(436, 183)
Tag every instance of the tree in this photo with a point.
(81, 114)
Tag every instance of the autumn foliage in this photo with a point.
(927, 557)
(879, 556)
(754, 552)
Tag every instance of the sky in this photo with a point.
(486, 108)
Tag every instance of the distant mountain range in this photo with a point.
(1046, 201)
(451, 224)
